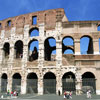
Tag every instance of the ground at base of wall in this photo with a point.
(49, 97)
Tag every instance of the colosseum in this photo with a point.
(43, 52)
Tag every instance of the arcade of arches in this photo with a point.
(43, 53)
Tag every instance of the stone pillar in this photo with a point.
(9, 83)
(96, 46)
(77, 46)
(0, 82)
(78, 83)
(1, 55)
(59, 84)
(40, 86)
(25, 53)
(12, 53)
(58, 53)
(41, 45)
(58, 45)
(23, 85)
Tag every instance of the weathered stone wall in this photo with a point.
(51, 23)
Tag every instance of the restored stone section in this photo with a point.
(17, 57)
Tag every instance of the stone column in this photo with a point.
(0, 82)
(40, 86)
(77, 46)
(9, 83)
(25, 53)
(59, 84)
(58, 54)
(78, 83)
(12, 53)
(58, 45)
(1, 55)
(41, 45)
(96, 46)
(23, 85)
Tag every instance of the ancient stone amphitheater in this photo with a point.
(36, 69)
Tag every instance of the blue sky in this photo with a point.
(76, 10)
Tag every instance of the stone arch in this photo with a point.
(34, 32)
(88, 82)
(33, 50)
(49, 83)
(9, 22)
(49, 46)
(68, 44)
(16, 82)
(98, 27)
(6, 49)
(4, 81)
(18, 49)
(68, 82)
(32, 83)
(86, 45)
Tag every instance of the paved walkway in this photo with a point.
(49, 97)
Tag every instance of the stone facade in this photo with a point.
(50, 23)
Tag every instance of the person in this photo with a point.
(8, 92)
(11, 94)
(65, 95)
(70, 95)
(89, 94)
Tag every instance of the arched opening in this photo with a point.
(49, 83)
(50, 49)
(16, 82)
(0, 25)
(68, 82)
(18, 49)
(34, 32)
(4, 83)
(33, 50)
(69, 51)
(88, 82)
(86, 45)
(6, 49)
(32, 83)
(98, 28)
(68, 45)
(9, 23)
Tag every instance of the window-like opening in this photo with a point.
(0, 25)
(34, 20)
(49, 83)
(68, 82)
(68, 51)
(4, 83)
(19, 49)
(68, 45)
(32, 83)
(34, 32)
(86, 45)
(16, 82)
(9, 23)
(50, 49)
(33, 50)
(6, 49)
(88, 82)
(98, 28)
